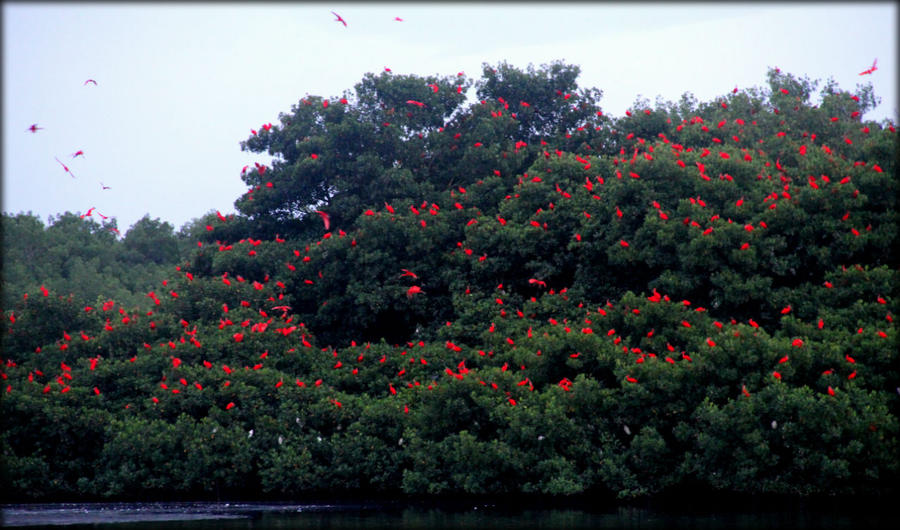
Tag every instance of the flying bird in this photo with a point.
(78, 153)
(90, 81)
(870, 69)
(34, 128)
(65, 167)
(339, 19)
(398, 19)
(326, 219)
(104, 186)
(416, 103)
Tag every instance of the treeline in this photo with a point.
(523, 295)
(73, 254)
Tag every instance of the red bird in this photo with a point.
(534, 281)
(326, 219)
(339, 19)
(78, 153)
(65, 167)
(398, 19)
(408, 273)
(416, 103)
(415, 289)
(90, 81)
(34, 128)
(871, 69)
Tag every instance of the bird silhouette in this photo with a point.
(871, 68)
(339, 19)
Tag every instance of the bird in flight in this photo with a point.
(91, 210)
(870, 69)
(104, 186)
(78, 153)
(90, 81)
(65, 167)
(398, 19)
(339, 19)
(326, 219)
(34, 128)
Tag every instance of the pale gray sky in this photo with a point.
(179, 86)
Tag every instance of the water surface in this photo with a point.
(224, 515)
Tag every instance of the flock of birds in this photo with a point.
(286, 324)
(34, 128)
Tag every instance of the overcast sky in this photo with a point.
(179, 86)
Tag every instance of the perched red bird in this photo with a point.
(339, 19)
(870, 69)
(415, 289)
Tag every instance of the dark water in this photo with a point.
(119, 516)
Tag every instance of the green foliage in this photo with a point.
(518, 295)
(78, 256)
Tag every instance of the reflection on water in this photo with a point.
(118, 516)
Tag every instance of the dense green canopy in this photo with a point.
(520, 294)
